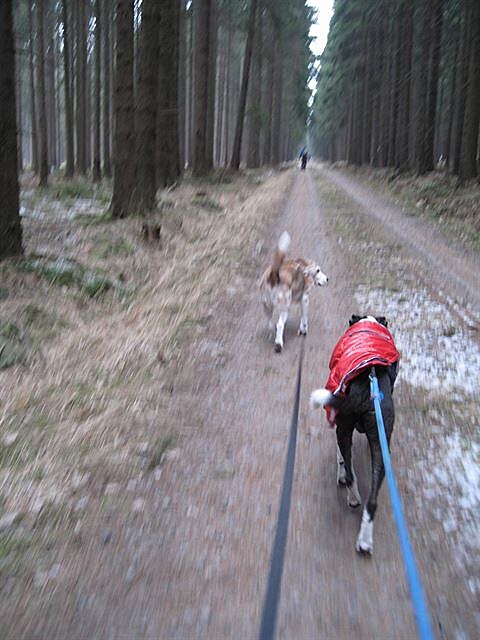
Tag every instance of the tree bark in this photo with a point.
(405, 64)
(168, 140)
(10, 226)
(212, 72)
(182, 81)
(277, 103)
(42, 109)
(146, 105)
(460, 95)
(268, 94)
(107, 84)
(237, 143)
(468, 158)
(124, 138)
(202, 162)
(96, 172)
(19, 102)
(67, 82)
(255, 99)
(50, 89)
(81, 87)
(436, 9)
(33, 109)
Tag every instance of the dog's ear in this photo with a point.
(382, 320)
(354, 319)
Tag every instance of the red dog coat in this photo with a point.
(363, 345)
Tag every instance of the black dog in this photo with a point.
(350, 406)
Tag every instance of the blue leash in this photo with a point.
(413, 577)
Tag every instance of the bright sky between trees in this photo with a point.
(320, 29)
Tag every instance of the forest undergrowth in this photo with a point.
(87, 372)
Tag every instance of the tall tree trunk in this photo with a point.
(81, 87)
(460, 95)
(451, 106)
(277, 103)
(227, 91)
(67, 82)
(202, 162)
(106, 32)
(96, 173)
(182, 80)
(33, 109)
(425, 83)
(18, 90)
(146, 105)
(255, 94)
(436, 8)
(468, 158)
(367, 112)
(10, 226)
(88, 93)
(267, 104)
(237, 143)
(212, 72)
(124, 137)
(168, 141)
(50, 89)
(42, 108)
(405, 65)
(220, 97)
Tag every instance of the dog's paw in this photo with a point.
(354, 498)
(303, 329)
(341, 475)
(364, 548)
(364, 542)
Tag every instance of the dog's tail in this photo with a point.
(346, 404)
(322, 398)
(358, 398)
(278, 258)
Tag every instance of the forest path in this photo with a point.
(195, 563)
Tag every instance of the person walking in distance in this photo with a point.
(303, 158)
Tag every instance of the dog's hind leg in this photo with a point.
(344, 441)
(340, 468)
(282, 319)
(303, 328)
(365, 536)
(268, 309)
(282, 305)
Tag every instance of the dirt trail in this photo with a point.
(448, 265)
(195, 563)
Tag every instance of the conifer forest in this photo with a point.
(239, 319)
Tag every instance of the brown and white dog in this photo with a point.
(284, 282)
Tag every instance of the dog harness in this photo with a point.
(363, 345)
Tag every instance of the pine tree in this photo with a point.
(124, 138)
(10, 226)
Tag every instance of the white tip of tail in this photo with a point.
(319, 398)
(284, 242)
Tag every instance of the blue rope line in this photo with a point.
(413, 577)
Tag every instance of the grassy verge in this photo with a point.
(89, 378)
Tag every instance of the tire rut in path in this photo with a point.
(449, 266)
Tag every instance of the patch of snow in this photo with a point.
(436, 352)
